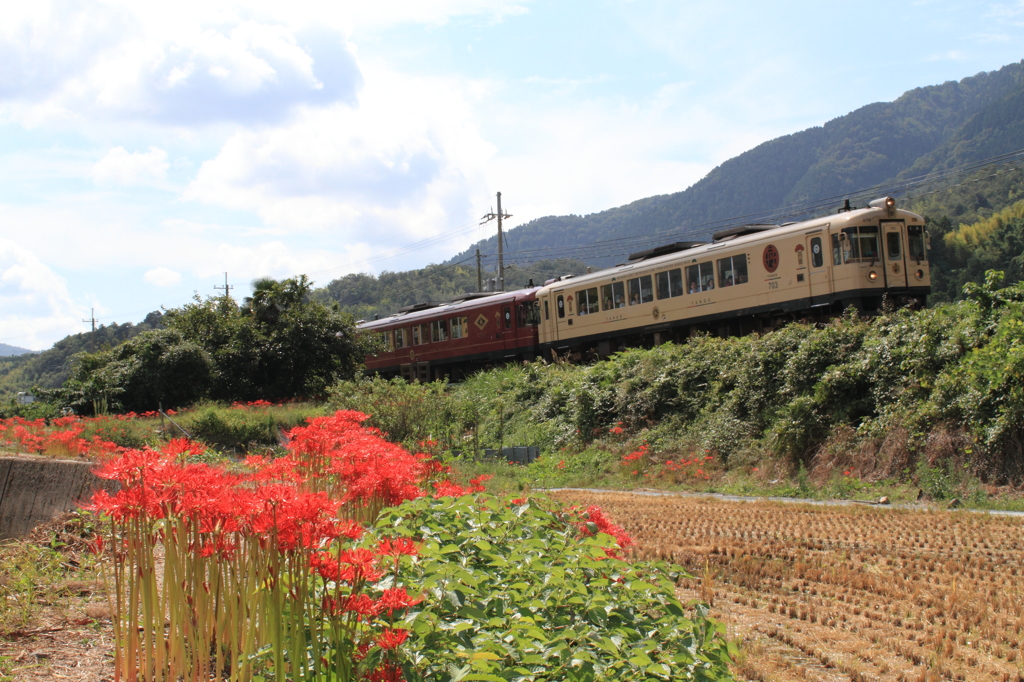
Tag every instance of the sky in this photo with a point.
(146, 149)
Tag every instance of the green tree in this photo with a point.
(278, 345)
(152, 369)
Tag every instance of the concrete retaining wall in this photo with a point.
(33, 491)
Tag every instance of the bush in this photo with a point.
(407, 413)
(243, 426)
(884, 383)
(514, 593)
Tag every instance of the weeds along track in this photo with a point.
(844, 593)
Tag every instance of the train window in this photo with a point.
(613, 296)
(547, 313)
(915, 242)
(389, 344)
(533, 313)
(401, 338)
(417, 337)
(837, 252)
(817, 257)
(506, 312)
(640, 290)
(587, 301)
(459, 327)
(732, 270)
(561, 306)
(700, 277)
(861, 244)
(669, 283)
(520, 315)
(892, 245)
(438, 331)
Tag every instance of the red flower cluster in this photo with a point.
(692, 468)
(276, 524)
(594, 515)
(251, 404)
(61, 438)
(639, 453)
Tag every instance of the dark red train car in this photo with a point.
(434, 341)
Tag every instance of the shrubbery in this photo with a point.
(872, 394)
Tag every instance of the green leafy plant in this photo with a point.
(512, 592)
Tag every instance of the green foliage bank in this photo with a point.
(878, 396)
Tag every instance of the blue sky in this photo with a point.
(144, 151)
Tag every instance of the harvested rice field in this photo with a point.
(844, 593)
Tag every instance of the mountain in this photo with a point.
(925, 130)
(8, 350)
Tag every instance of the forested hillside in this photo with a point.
(364, 295)
(926, 130)
(52, 367)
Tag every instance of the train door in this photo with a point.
(819, 278)
(559, 315)
(508, 330)
(893, 244)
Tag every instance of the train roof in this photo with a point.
(464, 302)
(728, 239)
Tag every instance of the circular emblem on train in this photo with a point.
(412, 355)
(771, 258)
(655, 313)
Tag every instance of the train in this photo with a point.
(749, 278)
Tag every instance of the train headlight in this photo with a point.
(872, 275)
(920, 274)
(887, 203)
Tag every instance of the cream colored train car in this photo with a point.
(747, 279)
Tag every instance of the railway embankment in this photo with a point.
(927, 400)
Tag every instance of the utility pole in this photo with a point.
(227, 287)
(479, 277)
(501, 241)
(92, 337)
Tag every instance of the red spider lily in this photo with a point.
(634, 456)
(388, 672)
(242, 538)
(596, 516)
(179, 447)
(448, 489)
(350, 566)
(395, 599)
(392, 638)
(476, 485)
(360, 604)
(397, 547)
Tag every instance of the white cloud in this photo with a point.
(120, 167)
(36, 305)
(195, 62)
(82, 60)
(408, 156)
(162, 277)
